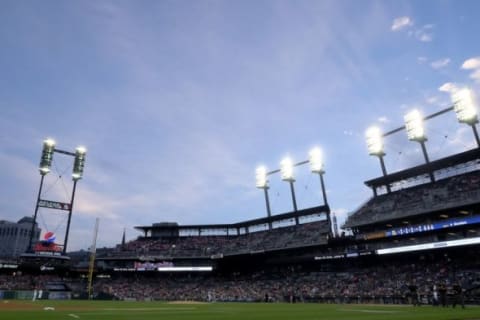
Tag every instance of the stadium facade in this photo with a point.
(15, 236)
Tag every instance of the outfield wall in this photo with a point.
(34, 295)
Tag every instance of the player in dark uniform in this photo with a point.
(442, 291)
(414, 294)
(458, 295)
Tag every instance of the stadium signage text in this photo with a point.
(175, 269)
(366, 253)
(449, 223)
(149, 266)
(167, 268)
(46, 268)
(329, 257)
(342, 256)
(431, 245)
(49, 253)
(123, 269)
(54, 205)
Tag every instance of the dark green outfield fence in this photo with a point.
(34, 295)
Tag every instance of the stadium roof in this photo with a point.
(416, 171)
(247, 223)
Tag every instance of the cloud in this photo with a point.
(452, 140)
(424, 34)
(401, 23)
(92, 203)
(448, 87)
(472, 63)
(475, 75)
(423, 37)
(461, 139)
(432, 100)
(441, 63)
(383, 119)
(422, 60)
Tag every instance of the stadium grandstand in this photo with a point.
(280, 232)
(407, 235)
(442, 209)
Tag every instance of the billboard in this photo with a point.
(47, 245)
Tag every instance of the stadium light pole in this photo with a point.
(44, 168)
(286, 170)
(375, 148)
(91, 264)
(317, 166)
(416, 132)
(45, 164)
(77, 174)
(465, 106)
(262, 183)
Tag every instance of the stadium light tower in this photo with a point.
(47, 156)
(416, 132)
(77, 174)
(286, 170)
(262, 183)
(317, 166)
(44, 168)
(287, 174)
(375, 148)
(465, 106)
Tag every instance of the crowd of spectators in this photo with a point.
(19, 281)
(380, 284)
(450, 192)
(307, 234)
(385, 281)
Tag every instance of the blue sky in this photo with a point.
(179, 101)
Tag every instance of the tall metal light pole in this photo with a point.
(91, 264)
(375, 148)
(262, 183)
(465, 106)
(317, 166)
(286, 170)
(416, 132)
(287, 174)
(45, 165)
(77, 174)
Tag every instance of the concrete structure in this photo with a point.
(15, 236)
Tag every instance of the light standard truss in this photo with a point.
(45, 164)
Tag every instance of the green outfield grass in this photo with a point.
(22, 310)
